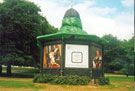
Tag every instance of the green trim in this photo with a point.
(78, 42)
(62, 36)
(52, 43)
(97, 45)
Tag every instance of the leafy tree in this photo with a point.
(110, 51)
(119, 55)
(128, 47)
(20, 23)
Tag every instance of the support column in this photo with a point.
(41, 58)
(9, 70)
(0, 69)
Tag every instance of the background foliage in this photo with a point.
(119, 55)
(20, 24)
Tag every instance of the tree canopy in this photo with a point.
(119, 55)
(20, 24)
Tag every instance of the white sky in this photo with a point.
(96, 20)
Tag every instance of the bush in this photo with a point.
(123, 71)
(73, 80)
(77, 80)
(43, 78)
(103, 81)
(36, 77)
(69, 80)
(59, 80)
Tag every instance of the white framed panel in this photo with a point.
(76, 56)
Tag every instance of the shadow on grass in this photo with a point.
(19, 75)
(19, 72)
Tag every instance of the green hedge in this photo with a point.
(69, 80)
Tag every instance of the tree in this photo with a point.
(119, 55)
(128, 47)
(20, 24)
(110, 51)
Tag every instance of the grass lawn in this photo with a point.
(117, 83)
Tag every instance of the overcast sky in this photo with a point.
(98, 17)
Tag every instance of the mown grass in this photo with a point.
(116, 84)
(18, 84)
(121, 79)
(22, 83)
(120, 83)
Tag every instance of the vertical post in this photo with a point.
(95, 81)
(128, 65)
(90, 62)
(41, 58)
(102, 60)
(0, 69)
(62, 58)
(9, 70)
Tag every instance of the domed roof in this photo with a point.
(71, 13)
(71, 29)
(71, 23)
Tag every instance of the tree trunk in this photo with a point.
(0, 69)
(8, 70)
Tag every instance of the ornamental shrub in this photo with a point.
(103, 81)
(36, 77)
(123, 71)
(73, 79)
(69, 79)
(43, 78)
(77, 80)
(59, 80)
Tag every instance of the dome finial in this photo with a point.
(72, 13)
(71, 3)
